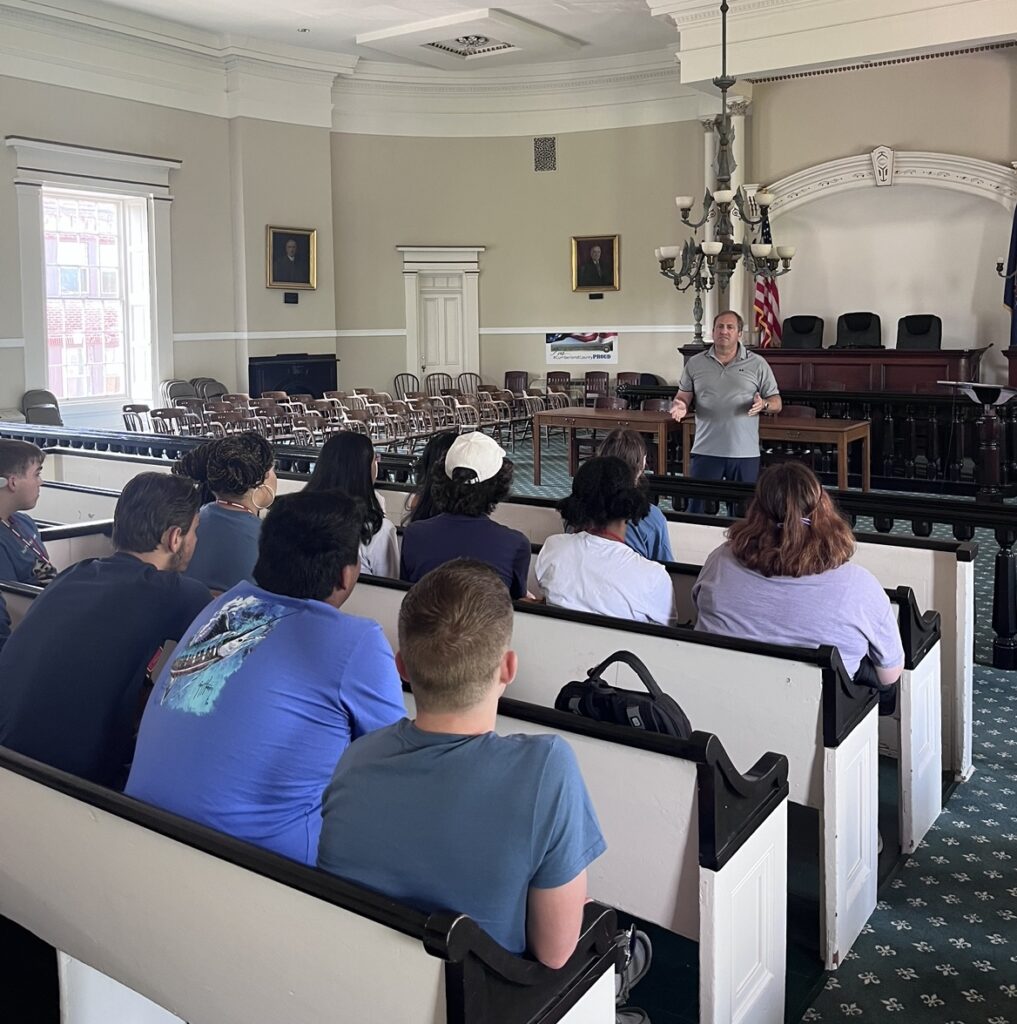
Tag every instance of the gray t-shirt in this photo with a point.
(845, 607)
(723, 395)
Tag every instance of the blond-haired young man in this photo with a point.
(443, 813)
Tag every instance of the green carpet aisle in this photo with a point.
(942, 944)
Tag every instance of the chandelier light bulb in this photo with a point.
(785, 252)
(725, 195)
(683, 202)
(763, 199)
(760, 249)
(711, 248)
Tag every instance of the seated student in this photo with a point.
(72, 673)
(474, 477)
(784, 576)
(591, 568)
(348, 463)
(23, 556)
(269, 685)
(648, 537)
(443, 813)
(237, 473)
(420, 504)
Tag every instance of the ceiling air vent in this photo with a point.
(545, 153)
(469, 47)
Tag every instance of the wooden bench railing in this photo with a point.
(213, 929)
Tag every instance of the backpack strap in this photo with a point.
(628, 658)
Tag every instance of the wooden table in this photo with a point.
(659, 424)
(791, 428)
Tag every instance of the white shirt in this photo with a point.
(606, 577)
(381, 556)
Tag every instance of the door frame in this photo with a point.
(462, 260)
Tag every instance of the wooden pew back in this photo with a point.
(213, 929)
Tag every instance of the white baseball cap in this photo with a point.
(475, 451)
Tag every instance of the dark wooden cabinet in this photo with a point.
(1011, 358)
(872, 369)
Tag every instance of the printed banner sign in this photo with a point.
(582, 347)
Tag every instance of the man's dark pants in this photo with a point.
(716, 467)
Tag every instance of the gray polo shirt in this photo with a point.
(723, 395)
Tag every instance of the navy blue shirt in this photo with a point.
(71, 674)
(227, 547)
(429, 543)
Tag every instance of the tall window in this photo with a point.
(98, 307)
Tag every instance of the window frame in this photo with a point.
(45, 163)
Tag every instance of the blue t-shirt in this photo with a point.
(71, 674)
(227, 547)
(429, 543)
(245, 726)
(23, 557)
(461, 823)
(649, 537)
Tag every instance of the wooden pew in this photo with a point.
(215, 930)
(18, 598)
(692, 845)
(941, 573)
(807, 709)
(75, 542)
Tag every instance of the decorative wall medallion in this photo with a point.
(882, 165)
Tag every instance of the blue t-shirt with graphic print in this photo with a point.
(462, 823)
(246, 723)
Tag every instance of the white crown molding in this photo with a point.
(91, 47)
(604, 328)
(768, 37)
(581, 95)
(981, 178)
(40, 160)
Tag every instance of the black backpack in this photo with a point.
(654, 711)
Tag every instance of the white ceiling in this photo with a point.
(605, 28)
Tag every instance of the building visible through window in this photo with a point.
(98, 309)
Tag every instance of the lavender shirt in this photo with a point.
(845, 607)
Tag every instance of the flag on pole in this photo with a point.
(766, 301)
(1010, 282)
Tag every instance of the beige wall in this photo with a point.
(965, 105)
(390, 191)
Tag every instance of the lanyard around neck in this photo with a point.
(607, 535)
(30, 542)
(236, 505)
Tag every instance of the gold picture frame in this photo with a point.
(592, 271)
(291, 258)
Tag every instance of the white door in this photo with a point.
(441, 324)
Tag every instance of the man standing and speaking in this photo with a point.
(732, 387)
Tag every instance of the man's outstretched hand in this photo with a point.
(758, 405)
(679, 410)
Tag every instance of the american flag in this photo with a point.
(766, 302)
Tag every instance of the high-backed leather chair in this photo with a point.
(920, 332)
(859, 330)
(803, 331)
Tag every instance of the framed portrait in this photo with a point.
(291, 258)
(596, 262)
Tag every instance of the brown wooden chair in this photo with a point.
(436, 383)
(136, 419)
(516, 381)
(596, 386)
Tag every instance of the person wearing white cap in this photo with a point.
(467, 486)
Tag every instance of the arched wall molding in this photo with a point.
(938, 170)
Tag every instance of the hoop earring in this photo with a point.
(271, 500)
